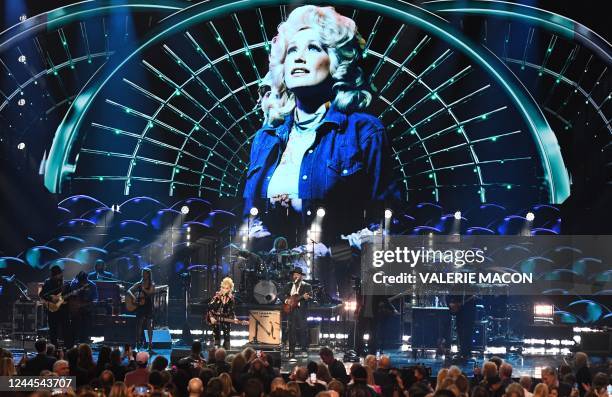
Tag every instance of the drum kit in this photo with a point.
(262, 275)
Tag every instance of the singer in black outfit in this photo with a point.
(59, 320)
(222, 305)
(142, 292)
(297, 318)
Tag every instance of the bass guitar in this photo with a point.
(57, 300)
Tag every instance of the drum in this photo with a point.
(265, 292)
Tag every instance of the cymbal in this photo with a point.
(232, 246)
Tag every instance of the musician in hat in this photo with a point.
(296, 295)
(221, 308)
(52, 290)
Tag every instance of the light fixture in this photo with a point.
(23, 17)
(21, 146)
(184, 210)
(21, 102)
(321, 212)
(254, 211)
(115, 208)
(21, 59)
(388, 214)
(458, 215)
(530, 216)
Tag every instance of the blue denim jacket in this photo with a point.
(350, 159)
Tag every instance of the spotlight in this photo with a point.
(21, 102)
(321, 212)
(184, 210)
(530, 216)
(21, 146)
(23, 17)
(22, 59)
(115, 208)
(543, 309)
(458, 215)
(388, 214)
(309, 212)
(254, 211)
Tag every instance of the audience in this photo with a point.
(525, 382)
(7, 368)
(195, 388)
(40, 362)
(541, 390)
(549, 377)
(140, 375)
(250, 374)
(336, 368)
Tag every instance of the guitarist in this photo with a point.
(222, 305)
(81, 306)
(58, 320)
(142, 294)
(300, 292)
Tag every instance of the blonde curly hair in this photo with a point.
(344, 45)
(228, 282)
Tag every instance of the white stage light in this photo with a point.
(530, 216)
(254, 211)
(458, 215)
(321, 212)
(388, 214)
(184, 210)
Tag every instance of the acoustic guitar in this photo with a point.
(222, 319)
(61, 299)
(293, 301)
(132, 304)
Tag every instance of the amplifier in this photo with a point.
(120, 329)
(25, 316)
(177, 353)
(596, 343)
(430, 326)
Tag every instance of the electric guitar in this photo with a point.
(222, 319)
(61, 299)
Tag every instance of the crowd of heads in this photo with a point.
(251, 373)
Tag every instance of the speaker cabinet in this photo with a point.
(430, 326)
(120, 329)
